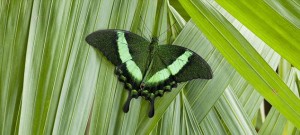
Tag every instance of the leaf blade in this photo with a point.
(278, 32)
(241, 55)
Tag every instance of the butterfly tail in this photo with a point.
(151, 112)
(127, 103)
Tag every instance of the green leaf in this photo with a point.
(53, 82)
(15, 18)
(57, 89)
(278, 24)
(243, 57)
(276, 122)
(233, 114)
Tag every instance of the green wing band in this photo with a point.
(178, 64)
(126, 58)
(159, 76)
(172, 69)
(134, 70)
(123, 47)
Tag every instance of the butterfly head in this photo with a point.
(154, 40)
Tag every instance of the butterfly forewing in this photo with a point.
(189, 64)
(175, 63)
(107, 42)
(124, 49)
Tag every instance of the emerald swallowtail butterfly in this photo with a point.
(146, 68)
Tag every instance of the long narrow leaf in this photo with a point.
(277, 26)
(244, 58)
(15, 18)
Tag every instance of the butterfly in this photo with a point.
(146, 68)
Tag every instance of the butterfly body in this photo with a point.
(146, 68)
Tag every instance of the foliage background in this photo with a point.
(52, 82)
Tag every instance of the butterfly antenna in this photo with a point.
(144, 24)
(141, 32)
(166, 31)
(163, 40)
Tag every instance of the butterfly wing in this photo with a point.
(119, 46)
(131, 53)
(176, 63)
(172, 64)
(128, 52)
(188, 66)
